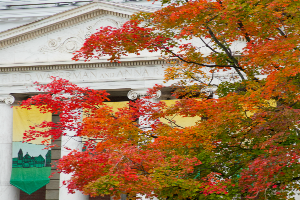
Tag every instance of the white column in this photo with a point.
(144, 121)
(7, 191)
(72, 143)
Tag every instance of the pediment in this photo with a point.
(55, 38)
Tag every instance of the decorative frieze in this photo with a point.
(100, 74)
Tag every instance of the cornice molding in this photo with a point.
(81, 66)
(20, 19)
(67, 18)
(41, 31)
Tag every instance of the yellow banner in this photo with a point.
(31, 162)
(116, 105)
(179, 120)
(23, 119)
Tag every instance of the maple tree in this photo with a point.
(245, 144)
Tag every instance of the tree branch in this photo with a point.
(173, 123)
(282, 33)
(241, 26)
(192, 62)
(208, 46)
(236, 67)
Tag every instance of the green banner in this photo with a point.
(31, 162)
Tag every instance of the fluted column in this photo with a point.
(7, 191)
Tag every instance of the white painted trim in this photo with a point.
(67, 18)
(74, 66)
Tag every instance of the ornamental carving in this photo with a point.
(105, 22)
(101, 23)
(132, 95)
(74, 43)
(9, 99)
(69, 45)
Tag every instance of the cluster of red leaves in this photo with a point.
(256, 178)
(128, 159)
(131, 39)
(66, 99)
(247, 140)
(119, 156)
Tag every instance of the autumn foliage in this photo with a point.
(237, 68)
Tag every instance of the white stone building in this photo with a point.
(37, 40)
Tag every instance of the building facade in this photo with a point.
(37, 43)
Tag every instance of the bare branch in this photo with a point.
(208, 45)
(241, 26)
(173, 122)
(192, 62)
(282, 33)
(236, 67)
(212, 78)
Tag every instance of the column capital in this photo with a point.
(8, 99)
(134, 94)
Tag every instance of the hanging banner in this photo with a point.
(115, 107)
(31, 163)
(182, 121)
